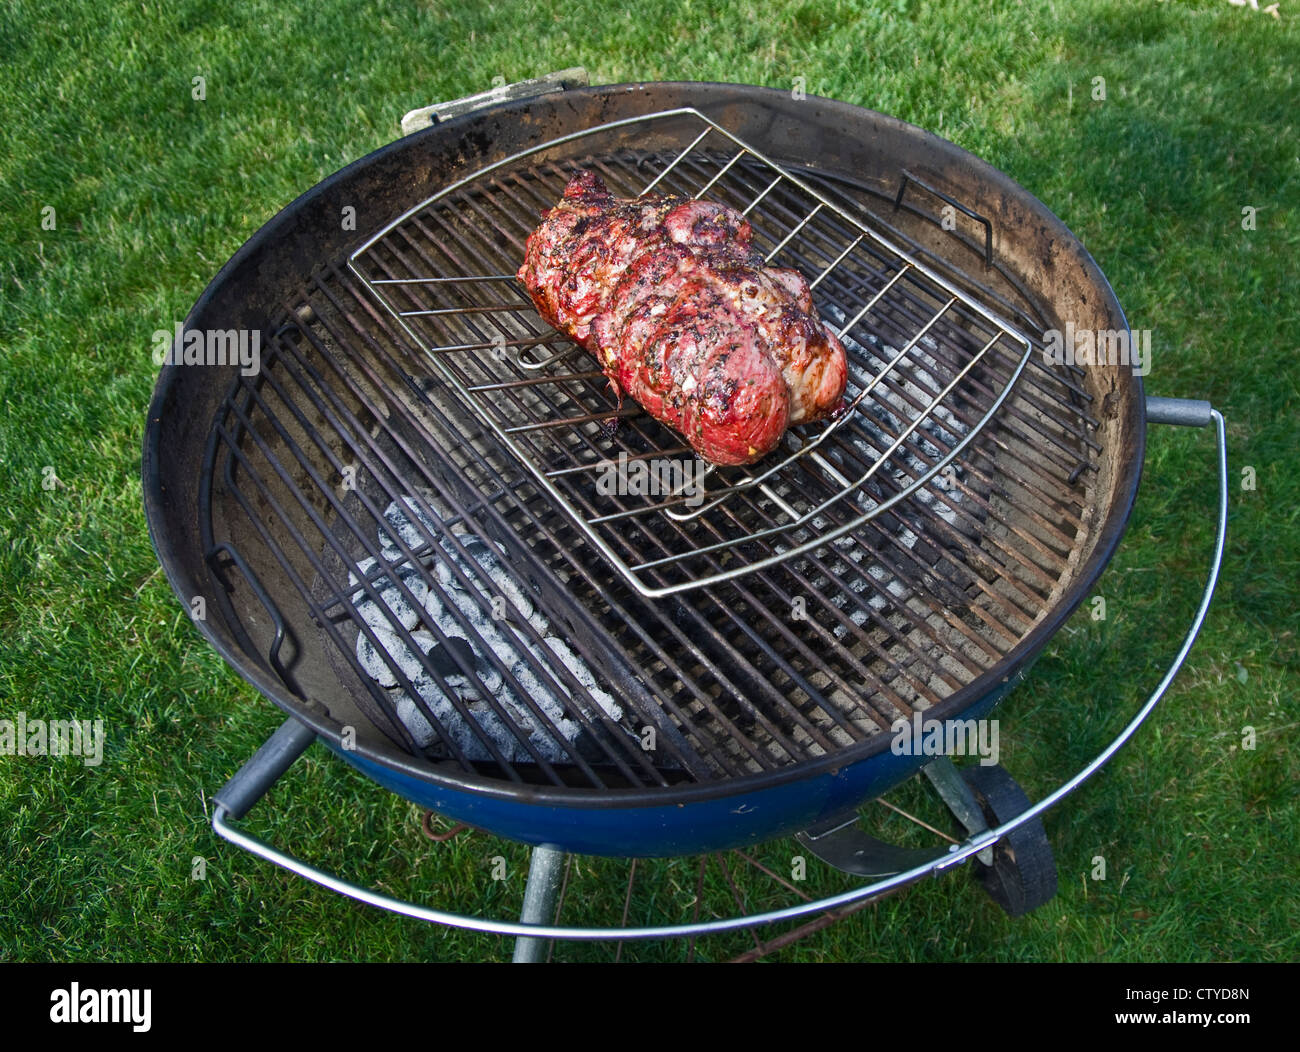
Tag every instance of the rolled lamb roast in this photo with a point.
(672, 298)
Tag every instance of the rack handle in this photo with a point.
(263, 597)
(965, 210)
(426, 116)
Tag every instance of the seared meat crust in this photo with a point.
(672, 299)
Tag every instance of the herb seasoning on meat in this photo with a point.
(679, 309)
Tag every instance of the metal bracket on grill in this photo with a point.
(942, 773)
(842, 844)
(929, 365)
(850, 850)
(427, 116)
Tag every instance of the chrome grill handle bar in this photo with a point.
(292, 739)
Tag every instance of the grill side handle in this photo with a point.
(1185, 412)
(277, 754)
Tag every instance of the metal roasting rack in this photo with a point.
(954, 360)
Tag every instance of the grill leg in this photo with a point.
(544, 872)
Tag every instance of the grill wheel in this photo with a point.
(1023, 874)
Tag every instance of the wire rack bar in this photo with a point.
(930, 365)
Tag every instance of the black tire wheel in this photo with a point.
(1023, 874)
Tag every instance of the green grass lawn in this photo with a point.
(151, 190)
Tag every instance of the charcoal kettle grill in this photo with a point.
(399, 522)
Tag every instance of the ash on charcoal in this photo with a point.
(395, 606)
(476, 597)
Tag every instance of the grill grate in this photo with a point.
(929, 365)
(815, 649)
